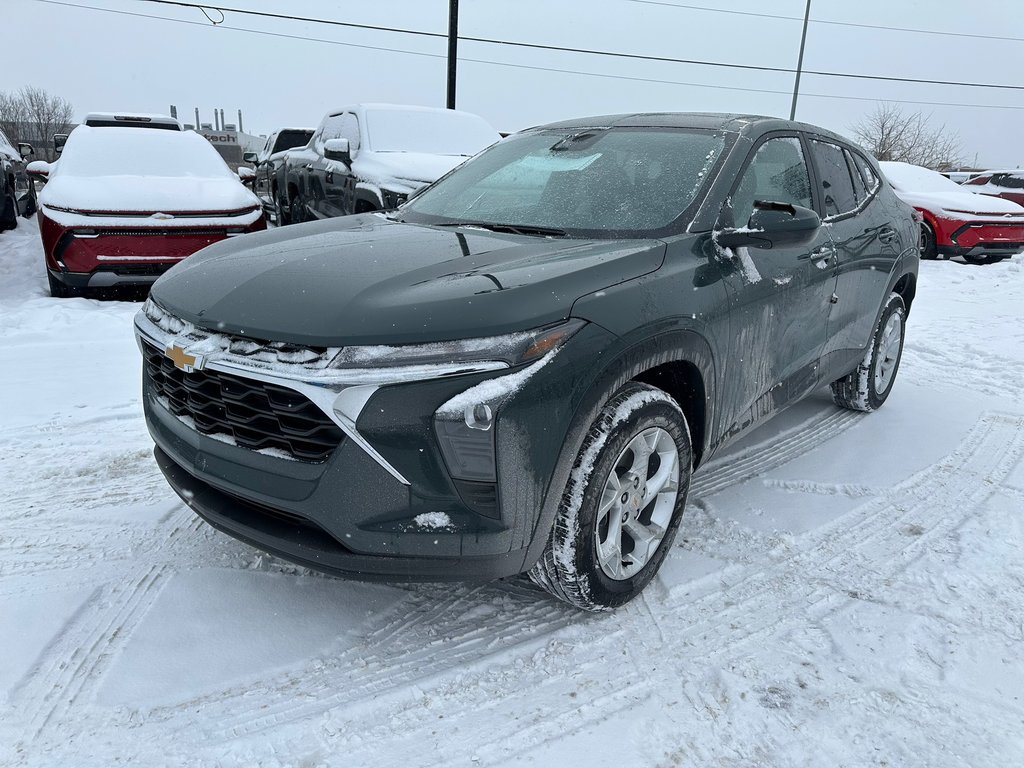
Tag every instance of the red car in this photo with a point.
(1008, 185)
(123, 205)
(958, 222)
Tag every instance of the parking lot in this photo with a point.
(845, 589)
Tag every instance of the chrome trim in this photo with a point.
(340, 394)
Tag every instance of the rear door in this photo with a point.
(779, 298)
(864, 241)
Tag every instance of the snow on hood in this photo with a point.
(403, 170)
(927, 189)
(143, 170)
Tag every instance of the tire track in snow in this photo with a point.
(732, 468)
(72, 667)
(791, 444)
(866, 546)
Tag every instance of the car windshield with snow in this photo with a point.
(981, 228)
(519, 370)
(122, 205)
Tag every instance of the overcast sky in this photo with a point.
(109, 61)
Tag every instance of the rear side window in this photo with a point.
(291, 140)
(858, 181)
(866, 172)
(836, 182)
(777, 173)
(1008, 180)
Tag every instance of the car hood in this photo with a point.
(960, 201)
(147, 194)
(403, 169)
(369, 280)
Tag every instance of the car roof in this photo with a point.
(720, 121)
(133, 119)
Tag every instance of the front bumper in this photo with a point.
(103, 256)
(979, 238)
(354, 513)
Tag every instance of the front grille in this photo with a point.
(253, 414)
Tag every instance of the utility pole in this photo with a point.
(453, 44)
(800, 62)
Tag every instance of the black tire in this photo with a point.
(59, 290)
(296, 210)
(8, 210)
(929, 248)
(571, 568)
(867, 387)
(979, 260)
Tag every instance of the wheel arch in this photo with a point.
(906, 287)
(678, 362)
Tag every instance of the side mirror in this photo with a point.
(59, 140)
(26, 149)
(249, 157)
(38, 169)
(246, 175)
(773, 225)
(338, 149)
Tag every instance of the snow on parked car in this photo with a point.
(958, 222)
(1008, 185)
(123, 205)
(370, 157)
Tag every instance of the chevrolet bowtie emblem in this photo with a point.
(184, 361)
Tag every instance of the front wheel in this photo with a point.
(8, 210)
(622, 504)
(869, 384)
(929, 247)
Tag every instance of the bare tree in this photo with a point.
(892, 134)
(34, 115)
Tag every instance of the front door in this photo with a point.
(780, 299)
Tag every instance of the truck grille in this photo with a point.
(254, 414)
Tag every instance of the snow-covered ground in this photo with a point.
(846, 590)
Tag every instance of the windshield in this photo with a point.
(434, 132)
(620, 181)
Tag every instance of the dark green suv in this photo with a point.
(520, 368)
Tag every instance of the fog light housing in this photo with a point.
(468, 450)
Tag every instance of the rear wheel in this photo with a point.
(296, 210)
(622, 504)
(868, 386)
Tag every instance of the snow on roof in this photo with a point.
(430, 131)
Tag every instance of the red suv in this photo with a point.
(123, 205)
(1008, 185)
(956, 221)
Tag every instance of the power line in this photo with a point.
(828, 22)
(593, 52)
(490, 62)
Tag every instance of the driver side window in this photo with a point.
(777, 173)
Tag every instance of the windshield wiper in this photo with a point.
(515, 229)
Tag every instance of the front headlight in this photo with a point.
(513, 349)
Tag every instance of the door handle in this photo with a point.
(823, 253)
